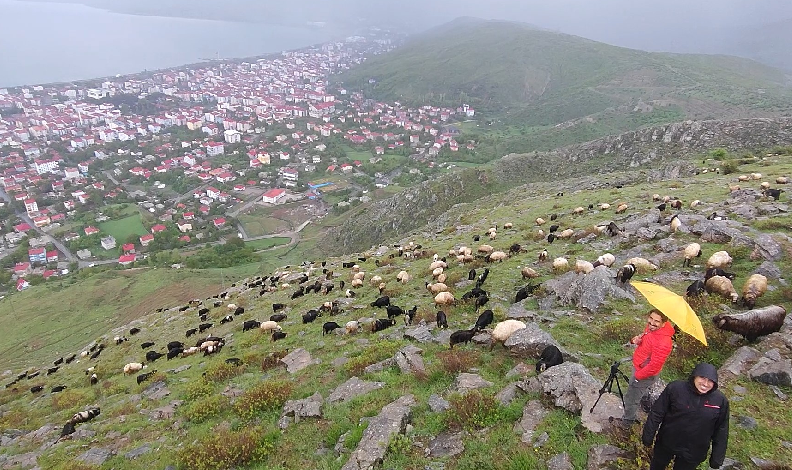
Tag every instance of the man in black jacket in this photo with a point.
(693, 414)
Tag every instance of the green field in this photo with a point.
(259, 223)
(266, 243)
(121, 229)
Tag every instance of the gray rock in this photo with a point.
(232, 392)
(745, 422)
(437, 403)
(778, 393)
(641, 220)
(541, 440)
(420, 333)
(379, 366)
(652, 394)
(339, 361)
(589, 291)
(740, 390)
(340, 446)
(649, 233)
(508, 394)
(575, 390)
(43, 432)
(95, 456)
(560, 461)
(446, 444)
(772, 370)
(739, 362)
(180, 369)
(767, 248)
(352, 388)
(600, 457)
(390, 421)
(298, 360)
(26, 460)
(518, 312)
(522, 369)
(729, 464)
(294, 410)
(747, 212)
(529, 342)
(533, 414)
(409, 360)
(466, 382)
(135, 453)
(156, 391)
(769, 270)
(165, 412)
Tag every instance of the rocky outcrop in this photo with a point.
(390, 421)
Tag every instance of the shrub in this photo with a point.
(272, 360)
(198, 389)
(728, 167)
(224, 449)
(473, 410)
(205, 408)
(262, 397)
(71, 398)
(457, 361)
(718, 154)
(222, 372)
(399, 444)
(371, 355)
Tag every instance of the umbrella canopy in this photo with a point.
(674, 306)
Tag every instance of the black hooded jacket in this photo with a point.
(689, 421)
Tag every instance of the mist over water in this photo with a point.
(54, 42)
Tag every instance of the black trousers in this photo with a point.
(661, 457)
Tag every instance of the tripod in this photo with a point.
(608, 385)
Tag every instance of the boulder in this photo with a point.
(466, 382)
(560, 461)
(508, 394)
(604, 457)
(739, 362)
(446, 444)
(765, 247)
(437, 403)
(589, 291)
(772, 369)
(297, 360)
(95, 456)
(533, 414)
(419, 333)
(294, 410)
(352, 388)
(391, 420)
(409, 360)
(529, 342)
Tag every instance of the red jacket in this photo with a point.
(652, 351)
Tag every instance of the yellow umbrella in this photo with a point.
(674, 306)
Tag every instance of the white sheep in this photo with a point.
(764, 185)
(357, 283)
(655, 197)
(503, 330)
(436, 272)
(583, 266)
(485, 249)
(694, 203)
(444, 298)
(493, 236)
(540, 221)
(675, 224)
(232, 306)
(437, 287)
(566, 233)
(782, 180)
(133, 367)
(498, 256)
(756, 176)
(642, 265)
(507, 225)
(270, 325)
(604, 206)
(606, 260)
(442, 278)
(692, 250)
(359, 275)
(528, 273)
(578, 210)
(438, 264)
(621, 208)
(743, 178)
(352, 327)
(560, 264)
(403, 277)
(754, 287)
(723, 286)
(190, 351)
(719, 259)
(375, 280)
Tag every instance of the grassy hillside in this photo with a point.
(531, 80)
(240, 406)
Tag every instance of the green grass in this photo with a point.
(258, 224)
(121, 229)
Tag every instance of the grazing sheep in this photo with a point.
(146, 345)
(227, 319)
(190, 351)
(349, 294)
(524, 292)
(461, 336)
(329, 327)
(190, 332)
(444, 298)
(119, 340)
(578, 210)
(583, 267)
(695, 289)
(643, 265)
(310, 316)
(613, 229)
(278, 335)
(675, 223)
(719, 259)
(604, 206)
(268, 326)
(503, 330)
(692, 250)
(566, 233)
(250, 324)
(782, 180)
(756, 176)
(723, 286)
(560, 264)
(203, 327)
(440, 319)
(403, 277)
(485, 249)
(540, 221)
(773, 193)
(382, 323)
(497, 256)
(145, 376)
(483, 320)
(352, 327)
(93, 379)
(625, 273)
(753, 323)
(77, 418)
(528, 273)
(754, 287)
(134, 331)
(133, 367)
(383, 301)
(276, 307)
(551, 356)
(543, 255)
(694, 203)
(655, 197)
(606, 260)
(765, 185)
(621, 208)
(357, 283)
(436, 288)
(152, 356)
(676, 204)
(507, 225)
(743, 178)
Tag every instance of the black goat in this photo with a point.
(175, 345)
(146, 345)
(227, 319)
(203, 327)
(190, 332)
(152, 356)
(278, 317)
(471, 274)
(394, 311)
(484, 320)
(310, 316)
(134, 331)
(551, 356)
(442, 322)
(276, 307)
(382, 323)
(410, 314)
(329, 327)
(250, 324)
(383, 301)
(695, 289)
(711, 272)
(174, 352)
(145, 376)
(461, 336)
(276, 335)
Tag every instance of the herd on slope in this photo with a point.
(321, 279)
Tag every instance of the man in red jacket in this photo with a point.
(654, 346)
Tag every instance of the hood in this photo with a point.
(706, 370)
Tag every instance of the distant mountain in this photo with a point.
(545, 78)
(768, 44)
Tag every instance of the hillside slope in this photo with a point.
(202, 412)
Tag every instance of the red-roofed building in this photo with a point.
(274, 195)
(219, 222)
(146, 239)
(37, 255)
(23, 227)
(52, 256)
(158, 228)
(90, 230)
(22, 284)
(22, 268)
(204, 210)
(125, 260)
(184, 238)
(128, 248)
(48, 273)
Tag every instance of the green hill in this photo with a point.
(542, 89)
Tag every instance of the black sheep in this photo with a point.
(553, 216)
(227, 319)
(515, 248)
(482, 277)
(410, 314)
(474, 293)
(52, 370)
(276, 335)
(203, 327)
(613, 229)
(329, 326)
(394, 311)
(145, 376)
(203, 311)
(461, 336)
(71, 358)
(551, 356)
(711, 272)
(152, 356)
(77, 418)
(484, 320)
(524, 293)
(661, 207)
(175, 345)
(174, 352)
(96, 354)
(278, 317)
(551, 238)
(481, 301)
(250, 324)
(146, 345)
(190, 332)
(310, 316)
(695, 289)
(442, 322)
(753, 323)
(553, 229)
(239, 310)
(58, 388)
(298, 293)
(58, 362)
(383, 301)
(774, 193)
(134, 331)
(36, 389)
(471, 274)
(625, 273)
(382, 323)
